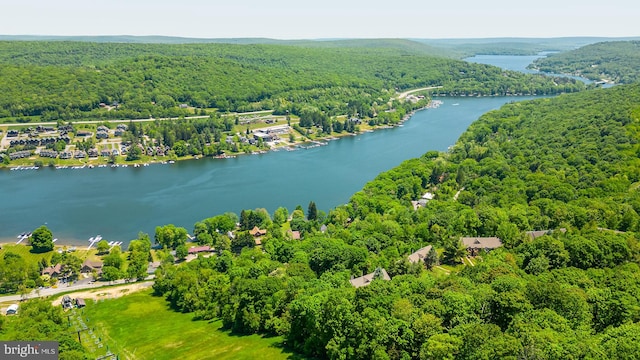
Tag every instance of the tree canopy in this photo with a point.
(554, 178)
(616, 61)
(78, 80)
(42, 239)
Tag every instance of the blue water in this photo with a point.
(518, 63)
(118, 203)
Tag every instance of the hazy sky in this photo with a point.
(299, 19)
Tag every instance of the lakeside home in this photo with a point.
(419, 255)
(475, 244)
(365, 280)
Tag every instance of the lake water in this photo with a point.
(117, 203)
(519, 63)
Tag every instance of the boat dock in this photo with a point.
(93, 240)
(23, 236)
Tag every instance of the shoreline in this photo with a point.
(295, 146)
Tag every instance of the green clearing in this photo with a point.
(25, 252)
(142, 326)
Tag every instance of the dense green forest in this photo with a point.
(615, 60)
(569, 163)
(53, 81)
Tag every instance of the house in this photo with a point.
(256, 231)
(420, 255)
(52, 271)
(475, 244)
(537, 233)
(12, 309)
(49, 153)
(199, 249)
(323, 228)
(295, 235)
(67, 303)
(20, 154)
(66, 155)
(80, 303)
(89, 266)
(264, 136)
(365, 280)
(84, 133)
(422, 202)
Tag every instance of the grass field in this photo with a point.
(24, 251)
(141, 326)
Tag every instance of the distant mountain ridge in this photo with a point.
(452, 48)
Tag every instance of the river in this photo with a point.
(117, 203)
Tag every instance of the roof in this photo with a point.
(80, 302)
(52, 270)
(367, 279)
(481, 242)
(428, 196)
(256, 231)
(92, 264)
(295, 235)
(197, 249)
(420, 254)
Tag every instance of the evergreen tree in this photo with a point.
(312, 212)
(431, 259)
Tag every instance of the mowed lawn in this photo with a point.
(141, 326)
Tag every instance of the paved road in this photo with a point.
(79, 285)
(138, 120)
(101, 121)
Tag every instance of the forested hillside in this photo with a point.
(70, 80)
(566, 165)
(616, 61)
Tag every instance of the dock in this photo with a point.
(93, 240)
(23, 236)
(113, 244)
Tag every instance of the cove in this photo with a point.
(117, 203)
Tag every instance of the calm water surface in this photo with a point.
(118, 203)
(519, 63)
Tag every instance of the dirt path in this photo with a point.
(107, 293)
